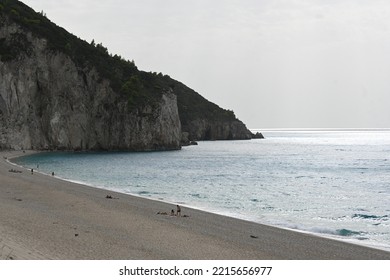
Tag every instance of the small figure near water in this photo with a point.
(111, 197)
(52, 174)
(32, 170)
(178, 210)
(172, 212)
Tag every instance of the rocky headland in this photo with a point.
(59, 92)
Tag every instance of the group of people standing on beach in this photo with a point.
(178, 212)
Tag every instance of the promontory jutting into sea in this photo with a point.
(95, 118)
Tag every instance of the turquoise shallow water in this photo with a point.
(331, 183)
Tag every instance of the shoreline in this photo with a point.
(377, 246)
(44, 217)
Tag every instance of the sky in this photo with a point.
(275, 63)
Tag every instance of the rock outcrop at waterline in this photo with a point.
(60, 92)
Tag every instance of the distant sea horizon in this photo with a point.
(319, 129)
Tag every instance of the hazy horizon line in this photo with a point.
(318, 129)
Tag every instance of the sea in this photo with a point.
(332, 183)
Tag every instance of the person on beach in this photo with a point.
(178, 211)
(172, 212)
(32, 171)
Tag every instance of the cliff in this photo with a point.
(204, 120)
(60, 92)
(47, 102)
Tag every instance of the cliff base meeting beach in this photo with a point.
(42, 217)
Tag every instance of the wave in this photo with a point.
(198, 195)
(146, 193)
(343, 232)
(337, 232)
(370, 217)
(347, 232)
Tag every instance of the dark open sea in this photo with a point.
(330, 183)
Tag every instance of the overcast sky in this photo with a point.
(275, 63)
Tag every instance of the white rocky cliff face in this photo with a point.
(48, 102)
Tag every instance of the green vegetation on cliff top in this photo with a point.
(138, 86)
